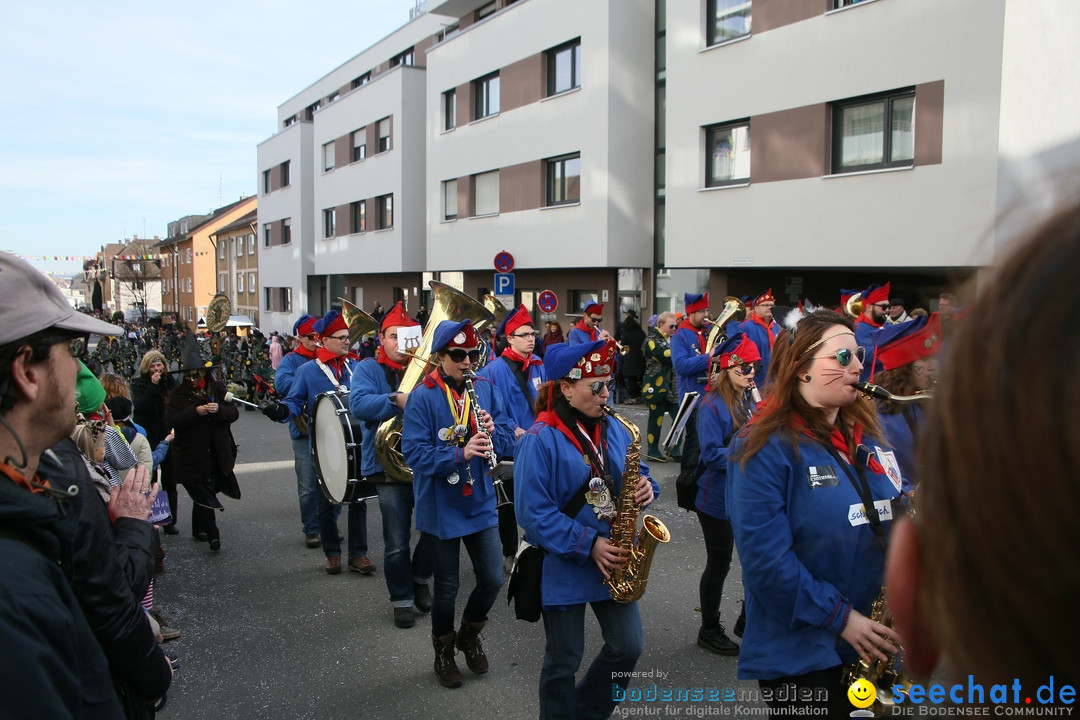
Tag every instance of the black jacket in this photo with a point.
(203, 451)
(149, 402)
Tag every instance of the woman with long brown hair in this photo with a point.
(810, 493)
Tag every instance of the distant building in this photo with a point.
(238, 265)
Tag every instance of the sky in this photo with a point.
(120, 116)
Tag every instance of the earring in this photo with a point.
(806, 378)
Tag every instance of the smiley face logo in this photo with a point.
(862, 693)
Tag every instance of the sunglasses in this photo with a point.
(843, 356)
(459, 355)
(598, 386)
(745, 369)
(595, 318)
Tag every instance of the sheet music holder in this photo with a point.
(686, 407)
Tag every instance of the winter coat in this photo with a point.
(203, 452)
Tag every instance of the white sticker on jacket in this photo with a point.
(887, 458)
(856, 516)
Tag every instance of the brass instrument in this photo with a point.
(884, 674)
(359, 322)
(879, 393)
(734, 309)
(498, 312)
(502, 497)
(448, 304)
(854, 306)
(218, 312)
(627, 583)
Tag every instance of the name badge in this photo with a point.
(818, 476)
(856, 515)
(888, 460)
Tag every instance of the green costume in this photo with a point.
(658, 386)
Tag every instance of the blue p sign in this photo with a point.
(504, 283)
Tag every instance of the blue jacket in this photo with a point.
(443, 509)
(370, 403)
(898, 434)
(866, 334)
(310, 382)
(283, 379)
(548, 473)
(715, 430)
(808, 554)
(519, 408)
(759, 335)
(578, 336)
(691, 365)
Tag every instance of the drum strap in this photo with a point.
(333, 380)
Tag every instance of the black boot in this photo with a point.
(468, 642)
(715, 639)
(445, 667)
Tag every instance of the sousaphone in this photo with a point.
(218, 312)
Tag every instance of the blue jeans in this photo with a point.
(593, 697)
(396, 505)
(306, 488)
(485, 552)
(328, 529)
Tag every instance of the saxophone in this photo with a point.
(627, 584)
(882, 674)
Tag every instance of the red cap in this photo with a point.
(595, 307)
(307, 328)
(517, 319)
(465, 338)
(909, 346)
(336, 323)
(598, 362)
(766, 296)
(737, 350)
(397, 318)
(875, 294)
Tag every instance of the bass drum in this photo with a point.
(335, 445)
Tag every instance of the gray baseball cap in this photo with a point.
(30, 302)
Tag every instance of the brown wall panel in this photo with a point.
(342, 151)
(929, 112)
(341, 222)
(464, 104)
(789, 144)
(520, 83)
(372, 130)
(420, 51)
(464, 197)
(771, 14)
(521, 187)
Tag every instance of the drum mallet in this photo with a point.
(229, 397)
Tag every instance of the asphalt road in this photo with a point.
(268, 634)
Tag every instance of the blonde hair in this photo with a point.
(149, 359)
(89, 437)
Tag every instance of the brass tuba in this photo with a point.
(217, 313)
(448, 304)
(734, 309)
(359, 322)
(854, 306)
(627, 584)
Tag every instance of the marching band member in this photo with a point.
(875, 306)
(306, 488)
(374, 398)
(567, 509)
(446, 437)
(801, 474)
(517, 374)
(331, 371)
(588, 327)
(726, 407)
(658, 385)
(692, 368)
(761, 330)
(904, 365)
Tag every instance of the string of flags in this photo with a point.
(84, 258)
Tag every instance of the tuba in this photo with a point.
(854, 306)
(448, 304)
(627, 584)
(734, 309)
(359, 322)
(217, 313)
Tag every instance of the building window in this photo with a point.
(251, 244)
(449, 104)
(251, 282)
(484, 11)
(359, 144)
(874, 132)
(311, 109)
(564, 67)
(362, 80)
(277, 299)
(329, 222)
(486, 96)
(726, 20)
(844, 3)
(580, 298)
(239, 282)
(405, 58)
(328, 157)
(268, 235)
(286, 231)
(486, 193)
(385, 204)
(285, 173)
(221, 283)
(449, 194)
(333, 97)
(266, 182)
(384, 135)
(564, 180)
(359, 216)
(239, 242)
(727, 150)
(221, 250)
(189, 256)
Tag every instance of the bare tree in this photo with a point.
(134, 270)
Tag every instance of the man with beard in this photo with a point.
(875, 306)
(761, 330)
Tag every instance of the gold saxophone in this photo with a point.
(882, 674)
(627, 584)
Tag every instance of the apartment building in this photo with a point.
(238, 267)
(629, 151)
(136, 276)
(189, 274)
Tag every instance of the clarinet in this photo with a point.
(501, 496)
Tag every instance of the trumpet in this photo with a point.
(879, 393)
(502, 497)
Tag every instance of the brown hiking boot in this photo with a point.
(468, 642)
(446, 668)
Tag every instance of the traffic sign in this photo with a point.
(504, 284)
(504, 262)
(547, 301)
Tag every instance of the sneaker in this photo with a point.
(200, 536)
(215, 544)
(312, 540)
(715, 640)
(422, 597)
(362, 565)
(167, 633)
(333, 565)
(404, 617)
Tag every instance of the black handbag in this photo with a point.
(523, 587)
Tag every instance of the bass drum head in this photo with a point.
(328, 445)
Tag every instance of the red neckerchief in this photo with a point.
(591, 331)
(304, 352)
(201, 385)
(383, 359)
(16, 477)
(768, 329)
(334, 361)
(549, 417)
(700, 336)
(836, 438)
(524, 362)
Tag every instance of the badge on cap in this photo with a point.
(459, 339)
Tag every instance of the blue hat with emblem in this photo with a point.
(301, 322)
(573, 362)
(460, 334)
(330, 323)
